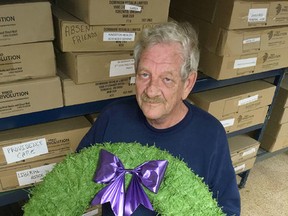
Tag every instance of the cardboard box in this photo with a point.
(21, 176)
(92, 117)
(73, 35)
(271, 143)
(41, 141)
(238, 98)
(242, 147)
(26, 61)
(236, 14)
(244, 120)
(279, 114)
(225, 67)
(96, 66)
(236, 42)
(25, 22)
(29, 96)
(275, 129)
(244, 165)
(96, 12)
(282, 97)
(91, 92)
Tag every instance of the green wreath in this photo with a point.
(69, 188)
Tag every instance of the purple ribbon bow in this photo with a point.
(112, 172)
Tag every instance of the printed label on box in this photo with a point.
(239, 168)
(119, 36)
(248, 100)
(251, 40)
(228, 122)
(30, 176)
(122, 67)
(243, 63)
(25, 150)
(257, 15)
(132, 8)
(132, 80)
(248, 152)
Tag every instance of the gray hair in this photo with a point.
(170, 32)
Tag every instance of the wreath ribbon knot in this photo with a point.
(112, 172)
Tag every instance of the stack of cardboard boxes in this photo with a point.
(27, 61)
(29, 84)
(95, 42)
(275, 135)
(237, 37)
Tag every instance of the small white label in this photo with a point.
(228, 122)
(240, 167)
(248, 100)
(25, 150)
(132, 8)
(122, 67)
(249, 151)
(257, 15)
(91, 213)
(243, 63)
(132, 80)
(34, 175)
(251, 40)
(119, 36)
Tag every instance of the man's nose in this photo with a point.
(152, 87)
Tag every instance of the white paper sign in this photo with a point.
(132, 80)
(119, 36)
(228, 122)
(34, 175)
(248, 100)
(251, 40)
(122, 67)
(257, 15)
(243, 63)
(25, 150)
(132, 7)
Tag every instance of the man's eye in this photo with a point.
(167, 80)
(144, 75)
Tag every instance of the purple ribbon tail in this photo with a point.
(135, 196)
(113, 193)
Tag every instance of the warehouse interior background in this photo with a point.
(49, 51)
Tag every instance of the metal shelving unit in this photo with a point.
(203, 83)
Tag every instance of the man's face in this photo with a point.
(159, 88)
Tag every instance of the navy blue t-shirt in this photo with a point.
(199, 139)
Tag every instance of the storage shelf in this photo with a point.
(203, 83)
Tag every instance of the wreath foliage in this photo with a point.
(69, 188)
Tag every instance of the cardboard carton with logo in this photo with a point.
(236, 14)
(234, 42)
(225, 67)
(242, 147)
(91, 92)
(41, 141)
(25, 22)
(27, 96)
(25, 175)
(239, 121)
(238, 98)
(73, 35)
(117, 12)
(96, 66)
(26, 61)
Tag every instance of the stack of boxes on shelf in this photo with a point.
(275, 135)
(29, 84)
(237, 38)
(95, 42)
(27, 61)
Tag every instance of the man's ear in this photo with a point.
(189, 84)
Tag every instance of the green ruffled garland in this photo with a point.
(69, 188)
